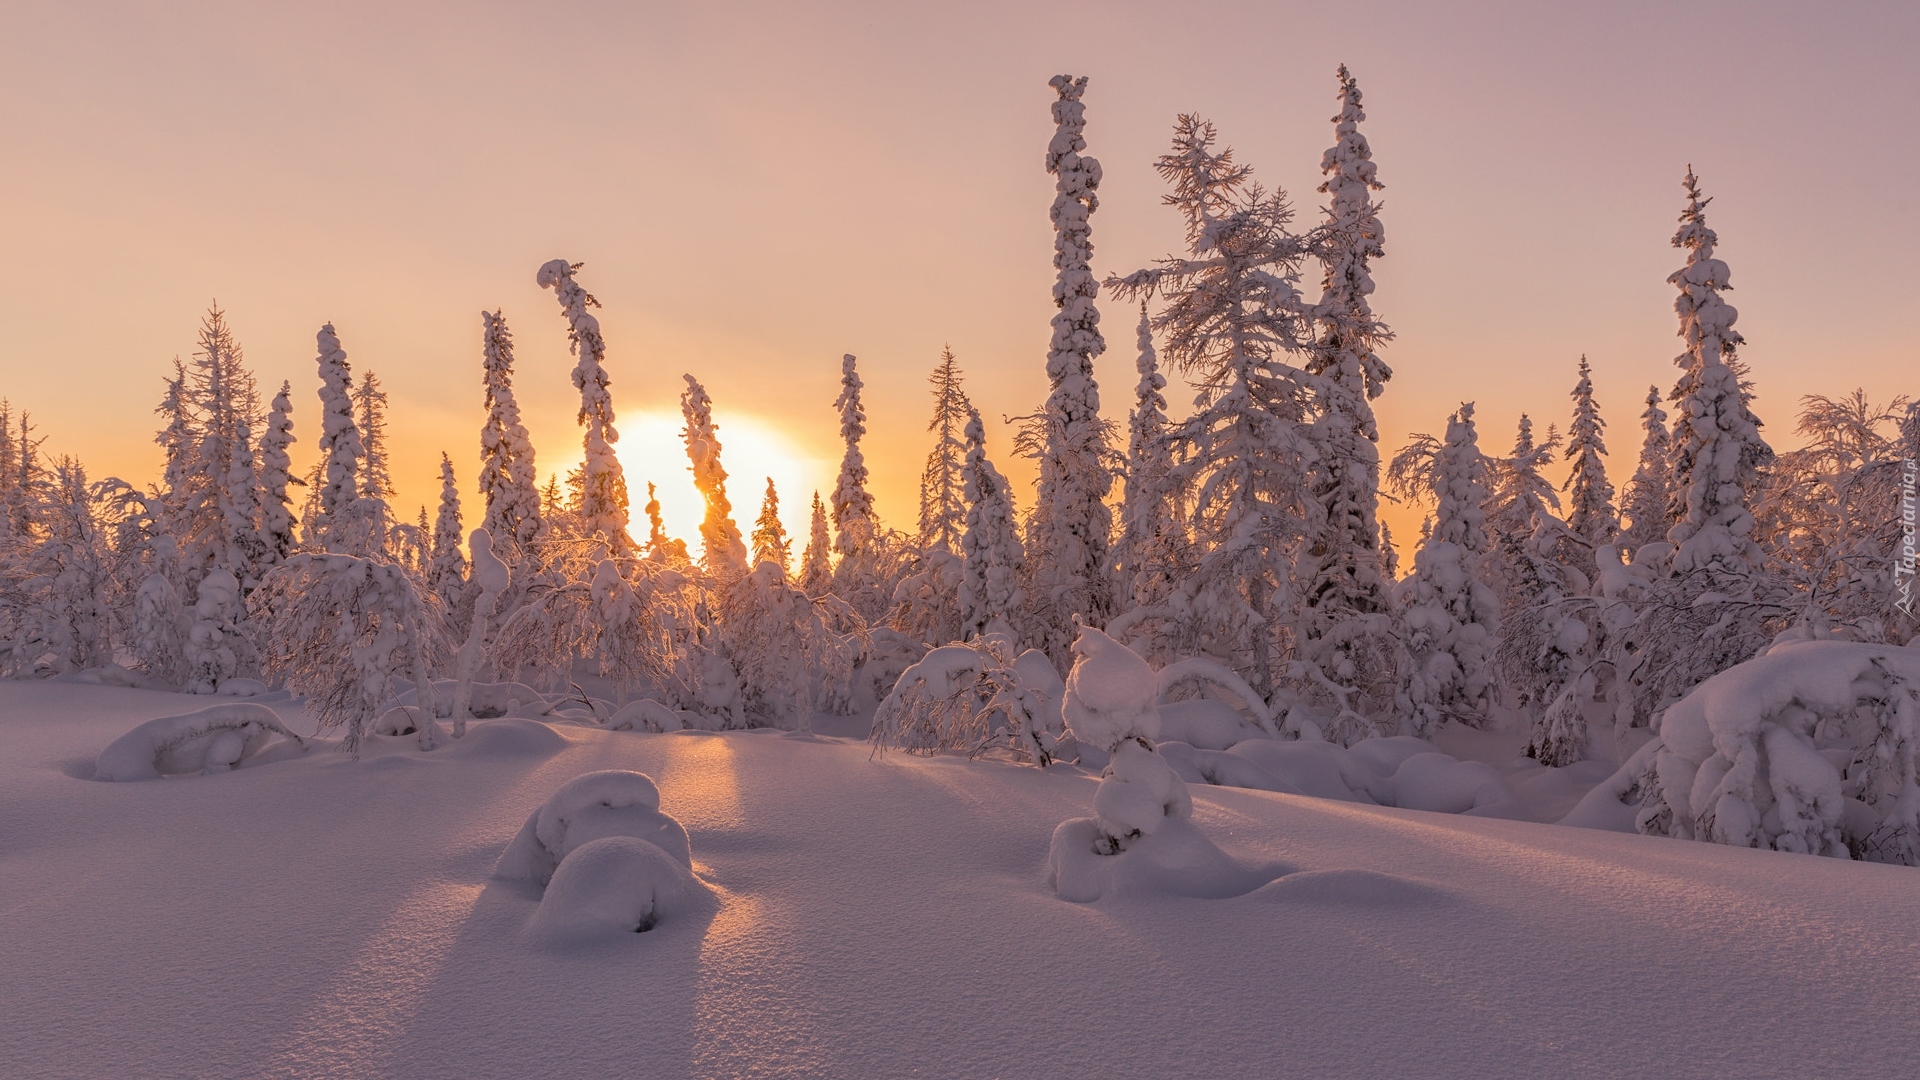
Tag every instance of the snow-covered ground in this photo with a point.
(308, 915)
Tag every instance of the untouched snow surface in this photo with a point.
(305, 915)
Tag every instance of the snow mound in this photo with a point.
(1447, 785)
(207, 741)
(108, 675)
(241, 688)
(508, 736)
(1178, 860)
(596, 805)
(610, 886)
(1110, 693)
(645, 714)
(1205, 724)
(1353, 888)
(1139, 792)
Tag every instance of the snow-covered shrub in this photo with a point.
(339, 629)
(491, 578)
(216, 650)
(965, 697)
(207, 741)
(783, 646)
(1111, 693)
(1811, 747)
(613, 885)
(611, 802)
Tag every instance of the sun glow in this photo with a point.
(652, 451)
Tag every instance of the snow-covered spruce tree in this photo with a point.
(157, 636)
(1233, 321)
(1717, 444)
(338, 629)
(1710, 603)
(221, 527)
(943, 507)
(853, 523)
(1071, 528)
(1450, 613)
(992, 569)
(1590, 513)
(22, 476)
(376, 475)
(336, 525)
(1149, 552)
(1650, 493)
(816, 569)
(179, 442)
(56, 588)
(276, 509)
(447, 565)
(490, 579)
(603, 503)
(1523, 499)
(1348, 628)
(721, 547)
(782, 645)
(660, 546)
(770, 542)
(507, 478)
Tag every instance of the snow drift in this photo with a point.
(207, 741)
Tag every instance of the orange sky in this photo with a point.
(756, 190)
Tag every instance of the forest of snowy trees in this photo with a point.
(1234, 546)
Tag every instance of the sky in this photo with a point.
(756, 189)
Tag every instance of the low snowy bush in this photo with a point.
(1811, 747)
(613, 802)
(207, 741)
(967, 697)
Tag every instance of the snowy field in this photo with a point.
(308, 915)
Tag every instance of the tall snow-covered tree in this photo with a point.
(1071, 529)
(1717, 443)
(1649, 494)
(991, 570)
(1150, 526)
(724, 552)
(816, 567)
(1451, 614)
(276, 472)
(1233, 321)
(507, 478)
(375, 474)
(1348, 625)
(447, 566)
(336, 525)
(854, 526)
(221, 528)
(943, 507)
(603, 503)
(179, 445)
(1590, 513)
(769, 536)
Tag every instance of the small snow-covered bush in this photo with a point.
(1811, 747)
(612, 802)
(206, 741)
(1111, 693)
(965, 697)
(613, 885)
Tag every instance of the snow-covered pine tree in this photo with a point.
(816, 567)
(55, 592)
(1650, 493)
(1717, 443)
(1590, 513)
(992, 569)
(1233, 318)
(276, 509)
(603, 504)
(722, 549)
(1389, 558)
(769, 536)
(507, 478)
(853, 521)
(1149, 550)
(375, 474)
(1071, 527)
(1348, 625)
(336, 525)
(447, 569)
(222, 501)
(1450, 613)
(179, 444)
(943, 507)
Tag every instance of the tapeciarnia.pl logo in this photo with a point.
(1903, 567)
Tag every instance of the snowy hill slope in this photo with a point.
(313, 916)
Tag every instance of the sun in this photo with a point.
(751, 449)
